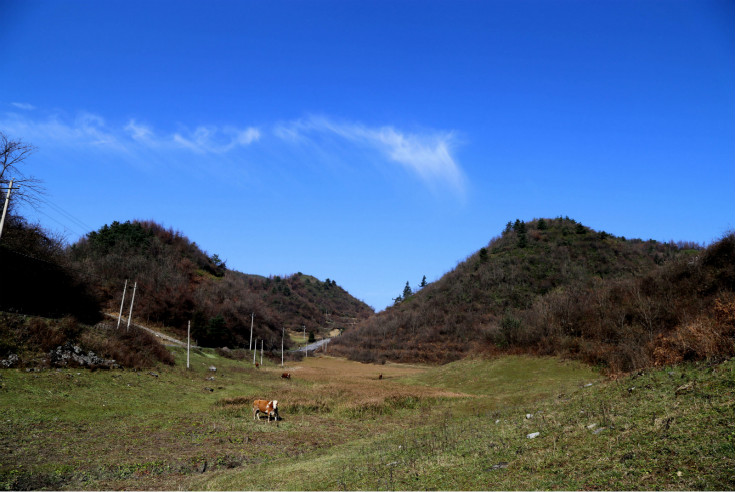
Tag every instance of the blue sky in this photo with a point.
(373, 142)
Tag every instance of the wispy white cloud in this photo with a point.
(428, 155)
(85, 129)
(206, 139)
(23, 106)
(88, 129)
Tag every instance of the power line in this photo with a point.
(66, 214)
(61, 224)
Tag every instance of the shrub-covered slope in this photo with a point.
(555, 286)
(178, 282)
(35, 276)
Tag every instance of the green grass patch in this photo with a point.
(460, 426)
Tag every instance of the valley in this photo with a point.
(464, 425)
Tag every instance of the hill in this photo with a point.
(554, 286)
(173, 282)
(178, 282)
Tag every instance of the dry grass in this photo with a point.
(330, 385)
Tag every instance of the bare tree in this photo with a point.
(12, 155)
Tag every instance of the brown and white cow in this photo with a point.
(286, 375)
(268, 407)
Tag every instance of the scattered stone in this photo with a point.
(210, 378)
(499, 466)
(587, 385)
(529, 416)
(630, 390)
(497, 421)
(154, 374)
(208, 389)
(392, 463)
(212, 369)
(591, 426)
(671, 373)
(597, 431)
(533, 435)
(679, 473)
(203, 467)
(12, 361)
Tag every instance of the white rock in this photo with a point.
(533, 435)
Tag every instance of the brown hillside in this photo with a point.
(553, 286)
(178, 282)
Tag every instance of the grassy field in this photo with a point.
(459, 426)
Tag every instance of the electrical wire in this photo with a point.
(66, 214)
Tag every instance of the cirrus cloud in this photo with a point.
(89, 129)
(428, 155)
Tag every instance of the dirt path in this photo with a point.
(165, 339)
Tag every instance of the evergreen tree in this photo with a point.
(522, 240)
(423, 282)
(407, 292)
(542, 225)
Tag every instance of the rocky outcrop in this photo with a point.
(12, 361)
(73, 355)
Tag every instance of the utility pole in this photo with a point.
(255, 351)
(5, 208)
(135, 286)
(261, 352)
(188, 337)
(119, 316)
(252, 317)
(283, 334)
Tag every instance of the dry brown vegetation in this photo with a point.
(33, 338)
(178, 282)
(343, 387)
(36, 278)
(557, 287)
